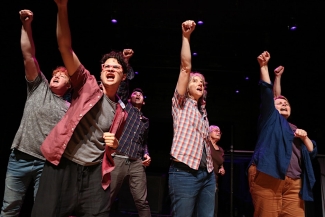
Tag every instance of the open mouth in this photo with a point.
(283, 109)
(110, 76)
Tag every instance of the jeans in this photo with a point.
(191, 191)
(21, 171)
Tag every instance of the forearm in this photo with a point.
(184, 75)
(71, 61)
(63, 30)
(26, 42)
(264, 74)
(186, 57)
(277, 86)
(308, 143)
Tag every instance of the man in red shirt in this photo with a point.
(74, 180)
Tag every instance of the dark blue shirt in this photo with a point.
(133, 141)
(273, 149)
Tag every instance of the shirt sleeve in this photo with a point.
(178, 100)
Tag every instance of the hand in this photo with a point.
(110, 140)
(128, 53)
(61, 2)
(26, 16)
(300, 133)
(188, 27)
(222, 171)
(278, 71)
(147, 160)
(263, 58)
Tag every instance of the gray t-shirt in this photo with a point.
(43, 110)
(86, 146)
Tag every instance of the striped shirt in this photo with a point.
(133, 141)
(191, 129)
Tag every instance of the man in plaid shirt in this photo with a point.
(132, 156)
(191, 178)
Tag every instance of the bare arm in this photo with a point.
(263, 60)
(277, 81)
(186, 65)
(63, 34)
(27, 45)
(302, 134)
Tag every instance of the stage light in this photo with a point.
(136, 73)
(114, 21)
(194, 54)
(247, 78)
(237, 91)
(292, 24)
(200, 22)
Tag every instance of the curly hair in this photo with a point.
(119, 57)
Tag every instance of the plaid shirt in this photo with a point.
(133, 141)
(191, 130)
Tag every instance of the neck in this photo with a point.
(110, 94)
(214, 141)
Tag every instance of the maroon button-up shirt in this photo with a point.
(86, 93)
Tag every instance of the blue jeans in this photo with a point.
(191, 191)
(21, 171)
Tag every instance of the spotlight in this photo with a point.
(194, 54)
(200, 22)
(292, 24)
(237, 91)
(114, 17)
(136, 73)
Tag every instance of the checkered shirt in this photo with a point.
(191, 130)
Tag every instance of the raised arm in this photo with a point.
(277, 81)
(186, 65)
(123, 90)
(63, 34)
(263, 60)
(27, 45)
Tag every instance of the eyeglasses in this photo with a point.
(107, 66)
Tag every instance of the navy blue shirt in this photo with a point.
(133, 141)
(273, 149)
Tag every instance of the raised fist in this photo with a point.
(188, 27)
(26, 16)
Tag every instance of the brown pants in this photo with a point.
(275, 197)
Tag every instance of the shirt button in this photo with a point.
(64, 145)
(72, 128)
(90, 104)
(80, 115)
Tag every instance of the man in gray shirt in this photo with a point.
(45, 106)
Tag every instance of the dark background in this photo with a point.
(234, 33)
